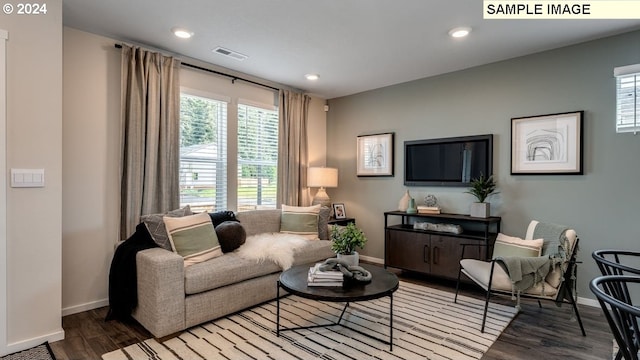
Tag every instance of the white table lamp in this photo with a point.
(322, 177)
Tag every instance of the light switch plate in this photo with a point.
(27, 178)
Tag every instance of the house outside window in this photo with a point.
(203, 153)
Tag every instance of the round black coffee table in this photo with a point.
(383, 283)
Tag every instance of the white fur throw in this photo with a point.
(276, 247)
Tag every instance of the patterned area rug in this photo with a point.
(40, 352)
(426, 324)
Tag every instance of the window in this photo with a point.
(203, 153)
(627, 98)
(257, 157)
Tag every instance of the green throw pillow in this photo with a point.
(512, 246)
(300, 220)
(193, 237)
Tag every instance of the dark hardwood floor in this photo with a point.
(535, 333)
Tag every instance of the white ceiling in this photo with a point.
(354, 45)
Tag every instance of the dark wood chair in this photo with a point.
(619, 262)
(621, 315)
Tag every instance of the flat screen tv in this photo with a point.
(447, 161)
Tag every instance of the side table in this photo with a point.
(341, 222)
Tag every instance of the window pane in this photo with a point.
(257, 157)
(627, 103)
(203, 153)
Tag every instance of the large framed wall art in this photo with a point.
(547, 144)
(375, 155)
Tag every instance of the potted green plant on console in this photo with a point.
(481, 188)
(345, 240)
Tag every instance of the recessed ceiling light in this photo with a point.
(182, 33)
(459, 32)
(312, 77)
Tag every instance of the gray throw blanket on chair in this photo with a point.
(556, 244)
(557, 247)
(525, 272)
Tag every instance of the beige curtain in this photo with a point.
(292, 158)
(150, 136)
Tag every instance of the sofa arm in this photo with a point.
(161, 297)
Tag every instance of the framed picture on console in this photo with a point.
(375, 155)
(339, 211)
(547, 144)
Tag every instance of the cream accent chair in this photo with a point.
(558, 285)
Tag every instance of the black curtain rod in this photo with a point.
(232, 77)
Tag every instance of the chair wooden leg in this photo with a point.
(539, 304)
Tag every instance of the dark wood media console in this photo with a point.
(436, 253)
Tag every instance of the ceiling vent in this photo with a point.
(230, 53)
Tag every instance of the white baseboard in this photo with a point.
(29, 343)
(85, 307)
(588, 302)
(57, 335)
(581, 300)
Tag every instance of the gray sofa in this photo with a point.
(172, 298)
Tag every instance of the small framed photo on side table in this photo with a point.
(339, 211)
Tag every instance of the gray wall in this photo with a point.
(602, 205)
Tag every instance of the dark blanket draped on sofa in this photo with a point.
(123, 280)
(123, 291)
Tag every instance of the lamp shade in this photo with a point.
(322, 177)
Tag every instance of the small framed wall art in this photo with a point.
(339, 211)
(375, 155)
(547, 144)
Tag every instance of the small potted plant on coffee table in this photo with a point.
(345, 240)
(481, 188)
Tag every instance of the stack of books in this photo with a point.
(428, 209)
(318, 277)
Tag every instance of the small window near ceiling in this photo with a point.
(627, 98)
(257, 156)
